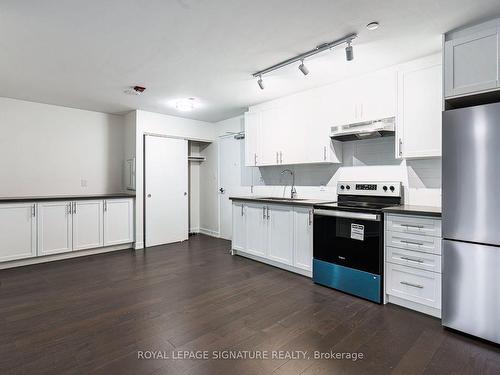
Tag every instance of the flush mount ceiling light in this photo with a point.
(185, 105)
(372, 26)
(322, 47)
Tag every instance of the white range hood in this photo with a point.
(364, 130)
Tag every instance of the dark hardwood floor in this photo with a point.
(94, 315)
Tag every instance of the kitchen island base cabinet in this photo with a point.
(17, 231)
(276, 234)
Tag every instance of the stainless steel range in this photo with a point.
(348, 239)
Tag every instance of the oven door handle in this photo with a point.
(347, 214)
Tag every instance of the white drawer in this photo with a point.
(414, 224)
(416, 242)
(414, 285)
(416, 259)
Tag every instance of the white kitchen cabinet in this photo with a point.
(277, 234)
(239, 226)
(17, 231)
(118, 221)
(366, 98)
(252, 136)
(280, 233)
(418, 125)
(256, 229)
(303, 238)
(87, 224)
(471, 60)
(55, 232)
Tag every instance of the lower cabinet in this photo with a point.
(277, 234)
(87, 224)
(53, 227)
(280, 234)
(17, 231)
(118, 221)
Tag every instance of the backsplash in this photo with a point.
(365, 160)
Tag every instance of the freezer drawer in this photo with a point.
(471, 296)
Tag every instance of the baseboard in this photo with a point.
(194, 230)
(273, 263)
(209, 232)
(414, 306)
(139, 245)
(68, 255)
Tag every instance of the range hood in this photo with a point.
(364, 130)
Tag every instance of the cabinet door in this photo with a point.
(471, 63)
(17, 231)
(303, 239)
(239, 226)
(274, 134)
(55, 230)
(87, 224)
(419, 118)
(256, 229)
(377, 95)
(252, 137)
(118, 221)
(280, 234)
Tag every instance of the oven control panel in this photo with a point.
(386, 189)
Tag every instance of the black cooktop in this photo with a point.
(361, 204)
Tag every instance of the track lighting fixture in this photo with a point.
(321, 48)
(349, 54)
(261, 83)
(303, 68)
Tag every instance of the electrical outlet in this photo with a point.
(83, 183)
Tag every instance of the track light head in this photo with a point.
(349, 53)
(261, 83)
(303, 68)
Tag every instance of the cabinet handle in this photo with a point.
(412, 226)
(413, 260)
(33, 210)
(277, 158)
(412, 243)
(74, 207)
(324, 152)
(281, 157)
(105, 206)
(400, 147)
(264, 212)
(268, 216)
(242, 210)
(255, 159)
(413, 285)
(310, 217)
(69, 208)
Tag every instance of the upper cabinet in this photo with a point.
(418, 125)
(471, 60)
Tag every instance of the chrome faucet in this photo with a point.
(293, 192)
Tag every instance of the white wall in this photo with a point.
(155, 123)
(49, 150)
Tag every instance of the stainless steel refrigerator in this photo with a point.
(471, 221)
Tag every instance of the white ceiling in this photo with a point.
(83, 54)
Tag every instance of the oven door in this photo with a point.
(350, 239)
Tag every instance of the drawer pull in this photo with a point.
(412, 243)
(413, 260)
(412, 226)
(413, 285)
